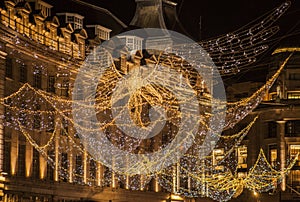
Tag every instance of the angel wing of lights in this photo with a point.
(236, 111)
(241, 47)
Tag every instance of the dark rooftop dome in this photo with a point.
(157, 14)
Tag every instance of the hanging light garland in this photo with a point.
(199, 175)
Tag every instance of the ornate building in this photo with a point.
(277, 128)
(40, 161)
(41, 156)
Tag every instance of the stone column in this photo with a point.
(281, 150)
(14, 152)
(85, 167)
(29, 159)
(71, 161)
(2, 110)
(43, 166)
(56, 150)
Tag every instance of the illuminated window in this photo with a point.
(294, 176)
(101, 32)
(294, 95)
(242, 156)
(218, 155)
(294, 150)
(75, 19)
(44, 7)
(242, 161)
(273, 155)
(132, 42)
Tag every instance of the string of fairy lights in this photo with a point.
(46, 121)
(200, 180)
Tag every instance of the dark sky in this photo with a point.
(218, 16)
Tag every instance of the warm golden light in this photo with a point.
(176, 197)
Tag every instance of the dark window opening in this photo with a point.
(9, 68)
(23, 73)
(272, 129)
(51, 84)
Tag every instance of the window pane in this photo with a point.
(9, 67)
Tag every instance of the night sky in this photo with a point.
(218, 16)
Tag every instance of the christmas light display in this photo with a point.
(46, 120)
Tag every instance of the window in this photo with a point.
(22, 115)
(65, 127)
(78, 169)
(74, 19)
(242, 161)
(242, 156)
(294, 150)
(70, 19)
(292, 128)
(37, 80)
(273, 155)
(93, 169)
(65, 86)
(218, 155)
(44, 7)
(9, 68)
(23, 73)
(294, 176)
(37, 118)
(50, 123)
(51, 84)
(294, 76)
(36, 164)
(50, 169)
(7, 159)
(21, 160)
(64, 166)
(295, 95)
(272, 129)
